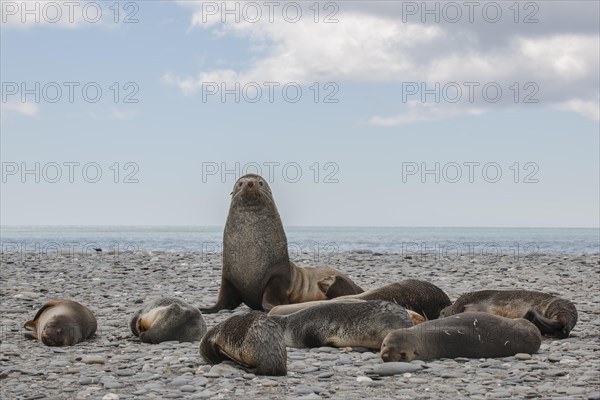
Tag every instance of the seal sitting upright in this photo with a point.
(552, 315)
(256, 266)
(62, 323)
(168, 318)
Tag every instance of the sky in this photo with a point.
(378, 113)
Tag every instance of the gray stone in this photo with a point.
(523, 356)
(394, 368)
(93, 360)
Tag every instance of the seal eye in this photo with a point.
(240, 184)
(260, 183)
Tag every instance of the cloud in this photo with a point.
(122, 115)
(417, 112)
(26, 109)
(555, 64)
(588, 109)
(49, 13)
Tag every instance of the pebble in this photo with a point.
(394, 368)
(523, 356)
(93, 360)
(268, 383)
(325, 375)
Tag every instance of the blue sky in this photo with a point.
(360, 145)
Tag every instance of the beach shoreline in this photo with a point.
(114, 364)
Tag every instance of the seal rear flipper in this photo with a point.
(229, 357)
(416, 318)
(545, 325)
(228, 299)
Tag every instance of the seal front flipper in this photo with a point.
(228, 299)
(545, 325)
(30, 326)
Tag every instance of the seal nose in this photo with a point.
(385, 356)
(250, 184)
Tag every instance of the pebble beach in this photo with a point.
(116, 365)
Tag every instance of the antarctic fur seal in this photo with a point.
(253, 340)
(343, 324)
(61, 323)
(168, 318)
(472, 335)
(552, 315)
(419, 296)
(256, 266)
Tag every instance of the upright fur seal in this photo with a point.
(471, 335)
(168, 318)
(552, 315)
(256, 266)
(252, 340)
(62, 323)
(422, 297)
(343, 324)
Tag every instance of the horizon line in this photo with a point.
(295, 226)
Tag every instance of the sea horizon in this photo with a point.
(306, 239)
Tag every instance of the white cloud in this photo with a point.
(26, 109)
(589, 109)
(49, 13)
(122, 115)
(417, 112)
(369, 46)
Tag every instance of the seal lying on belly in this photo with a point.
(472, 335)
(343, 324)
(419, 296)
(168, 318)
(62, 323)
(552, 315)
(252, 340)
(256, 266)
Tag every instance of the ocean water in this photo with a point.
(318, 240)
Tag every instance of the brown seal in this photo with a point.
(168, 318)
(419, 296)
(256, 266)
(288, 309)
(343, 324)
(552, 315)
(471, 335)
(253, 340)
(61, 323)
